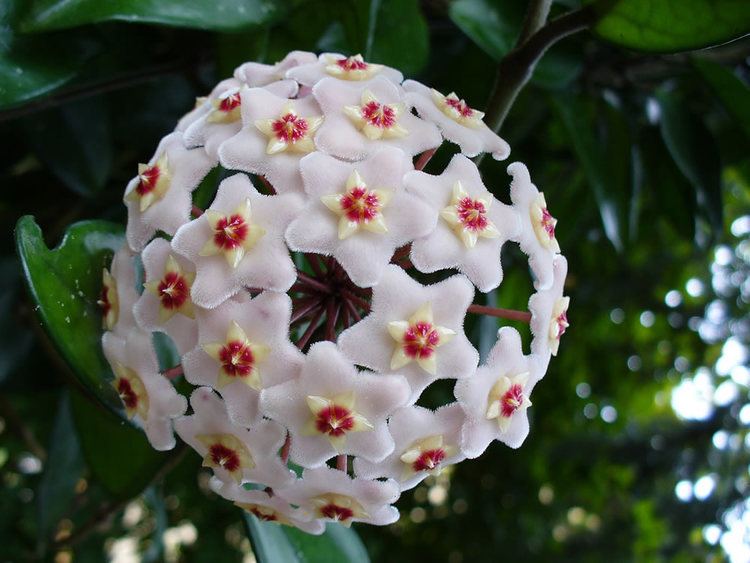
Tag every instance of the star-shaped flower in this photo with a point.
(258, 74)
(224, 118)
(353, 69)
(147, 396)
(276, 133)
(537, 234)
(235, 454)
(472, 228)
(495, 399)
(239, 242)
(166, 305)
(109, 301)
(549, 312)
(356, 210)
(270, 508)
(458, 122)
(398, 299)
(361, 119)
(332, 495)
(158, 198)
(425, 443)
(244, 347)
(332, 408)
(118, 295)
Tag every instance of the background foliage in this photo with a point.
(639, 446)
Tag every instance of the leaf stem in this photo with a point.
(511, 314)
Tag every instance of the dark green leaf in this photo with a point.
(64, 284)
(733, 92)
(118, 454)
(670, 26)
(75, 143)
(397, 35)
(220, 15)
(694, 150)
(63, 467)
(274, 543)
(15, 338)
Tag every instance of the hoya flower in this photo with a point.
(234, 454)
(458, 122)
(243, 348)
(361, 119)
(331, 495)
(276, 133)
(332, 408)
(258, 74)
(496, 398)
(425, 443)
(118, 293)
(270, 508)
(158, 198)
(472, 228)
(549, 312)
(353, 68)
(239, 242)
(414, 330)
(223, 118)
(358, 209)
(537, 235)
(147, 396)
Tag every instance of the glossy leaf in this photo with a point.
(220, 15)
(118, 454)
(733, 93)
(273, 543)
(397, 35)
(64, 283)
(670, 26)
(694, 150)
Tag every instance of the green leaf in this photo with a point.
(15, 338)
(733, 93)
(62, 469)
(118, 454)
(274, 543)
(75, 143)
(64, 283)
(694, 150)
(219, 15)
(609, 191)
(397, 35)
(670, 26)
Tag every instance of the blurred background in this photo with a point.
(639, 444)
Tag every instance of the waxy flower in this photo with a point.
(243, 347)
(353, 68)
(258, 74)
(146, 395)
(472, 228)
(414, 330)
(356, 210)
(362, 119)
(332, 408)
(549, 312)
(239, 242)
(158, 198)
(458, 122)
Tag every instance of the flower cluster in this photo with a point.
(297, 300)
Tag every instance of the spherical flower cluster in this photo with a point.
(325, 288)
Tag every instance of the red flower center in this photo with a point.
(334, 420)
(230, 232)
(460, 106)
(429, 460)
(420, 340)
(224, 457)
(360, 205)
(511, 400)
(229, 103)
(336, 512)
(562, 324)
(548, 223)
(290, 128)
(472, 214)
(266, 516)
(352, 63)
(236, 359)
(147, 180)
(126, 393)
(379, 115)
(104, 301)
(173, 290)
